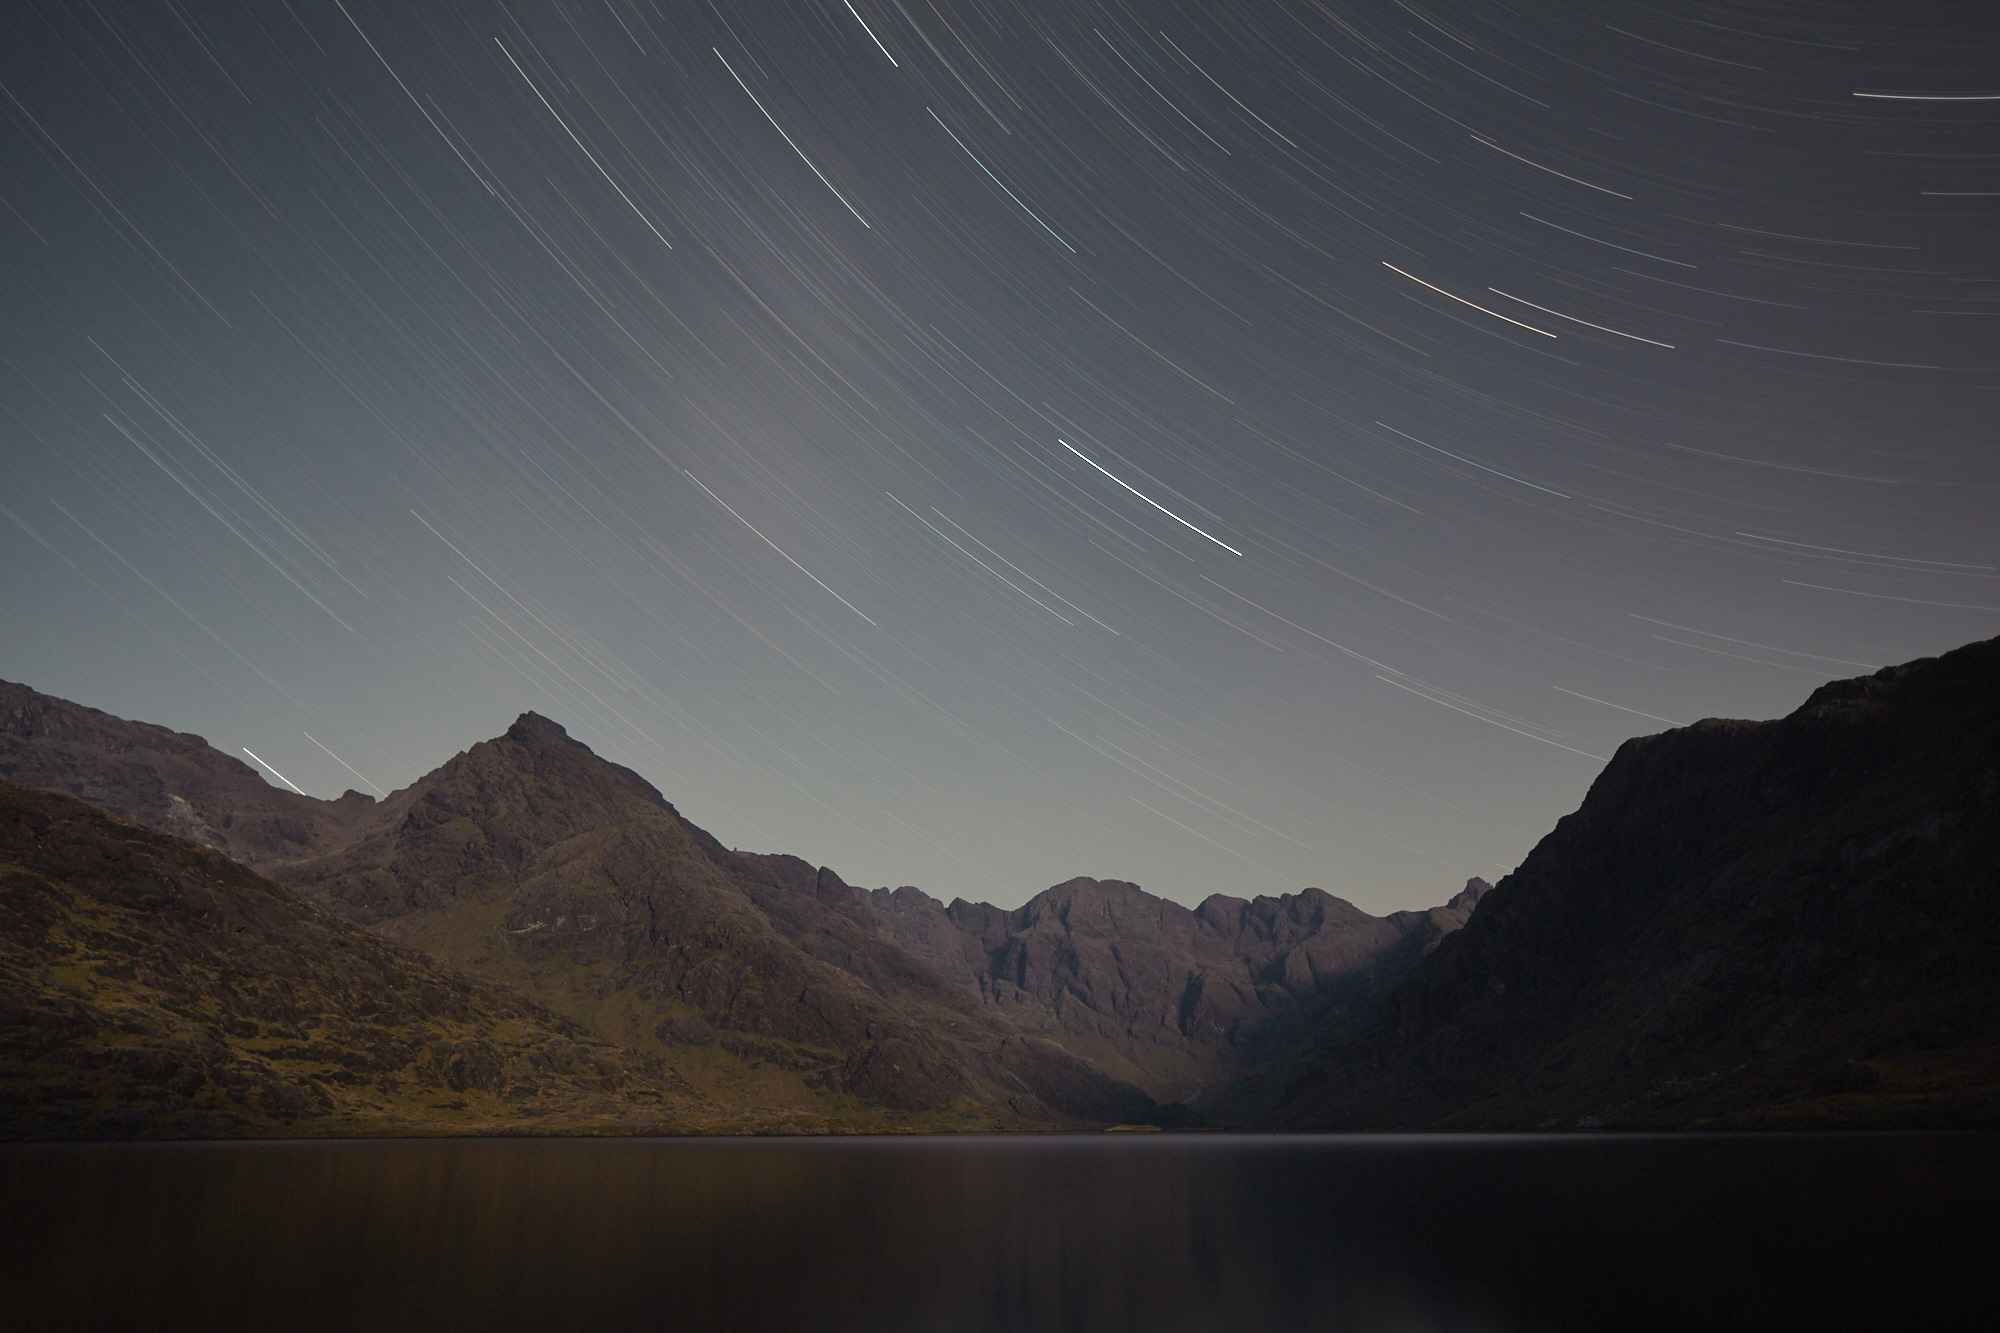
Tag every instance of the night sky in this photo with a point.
(1230, 447)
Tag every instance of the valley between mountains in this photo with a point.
(1771, 923)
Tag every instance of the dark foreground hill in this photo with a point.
(1791, 923)
(151, 987)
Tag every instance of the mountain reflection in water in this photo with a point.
(1162, 1232)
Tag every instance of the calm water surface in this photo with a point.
(1154, 1232)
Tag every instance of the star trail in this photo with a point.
(1229, 447)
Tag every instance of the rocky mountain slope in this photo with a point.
(1746, 923)
(1185, 1003)
(529, 860)
(167, 780)
(532, 863)
(152, 987)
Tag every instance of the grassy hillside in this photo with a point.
(150, 987)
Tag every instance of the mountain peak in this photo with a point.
(1469, 896)
(532, 727)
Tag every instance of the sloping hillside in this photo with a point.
(150, 987)
(533, 863)
(167, 780)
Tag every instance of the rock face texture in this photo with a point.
(1746, 923)
(830, 921)
(1183, 1002)
(153, 987)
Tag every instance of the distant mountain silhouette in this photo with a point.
(1791, 923)
(1195, 1006)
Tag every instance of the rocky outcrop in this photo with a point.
(1753, 923)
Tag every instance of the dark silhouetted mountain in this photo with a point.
(153, 987)
(1183, 1003)
(1790, 923)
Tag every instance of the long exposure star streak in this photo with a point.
(361, 359)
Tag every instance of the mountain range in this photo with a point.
(769, 985)
(1787, 922)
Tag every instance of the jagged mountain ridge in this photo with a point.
(1179, 1000)
(528, 858)
(1793, 922)
(1176, 1001)
(525, 860)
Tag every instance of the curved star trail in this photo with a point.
(1226, 446)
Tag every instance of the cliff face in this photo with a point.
(152, 987)
(1790, 922)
